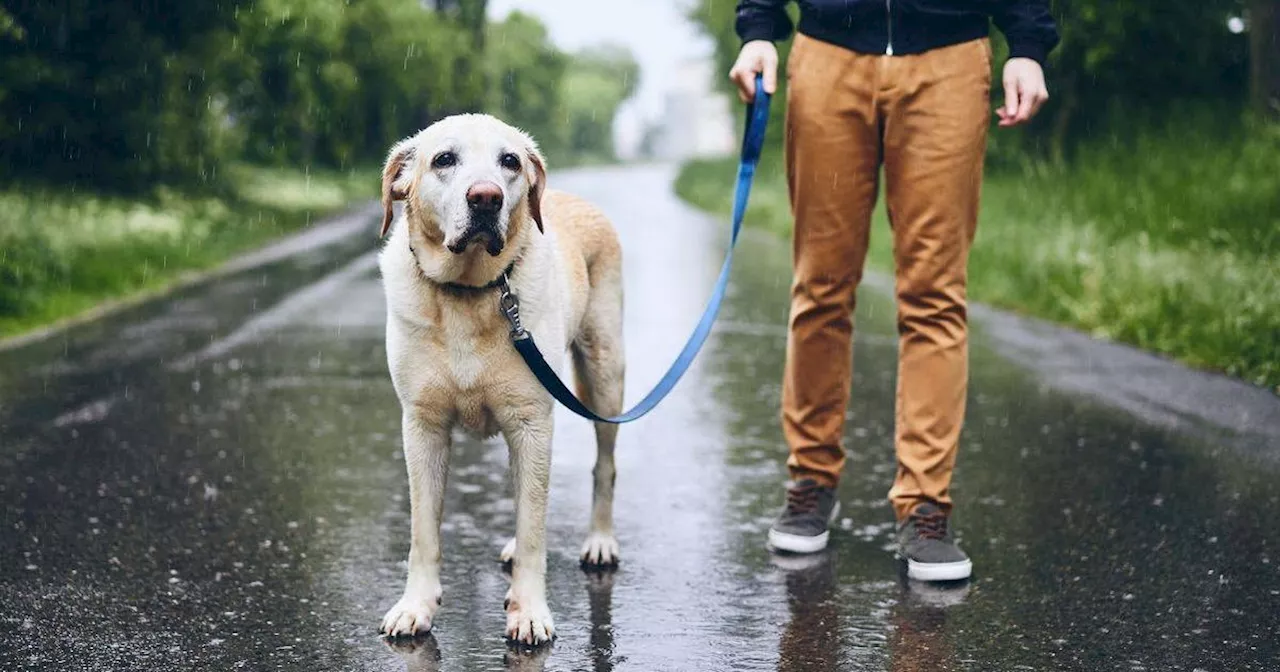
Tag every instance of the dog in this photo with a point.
(476, 210)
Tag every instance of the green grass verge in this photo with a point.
(63, 253)
(1170, 243)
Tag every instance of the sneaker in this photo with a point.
(925, 541)
(802, 525)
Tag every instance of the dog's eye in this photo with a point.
(509, 161)
(444, 160)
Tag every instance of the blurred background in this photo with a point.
(141, 141)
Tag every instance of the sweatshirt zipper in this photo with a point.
(888, 11)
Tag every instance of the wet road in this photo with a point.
(213, 482)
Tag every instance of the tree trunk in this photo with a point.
(1264, 56)
(475, 19)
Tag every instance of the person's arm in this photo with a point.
(1028, 27)
(762, 20)
(759, 24)
(1032, 33)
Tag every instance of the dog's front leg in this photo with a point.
(426, 454)
(528, 617)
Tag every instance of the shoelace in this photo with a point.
(931, 525)
(803, 499)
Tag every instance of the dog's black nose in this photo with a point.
(484, 197)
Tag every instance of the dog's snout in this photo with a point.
(484, 197)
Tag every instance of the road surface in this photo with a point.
(213, 481)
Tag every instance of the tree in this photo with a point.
(334, 84)
(471, 14)
(1135, 63)
(526, 73)
(598, 81)
(112, 95)
(1264, 56)
(128, 96)
(469, 67)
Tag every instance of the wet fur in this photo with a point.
(453, 366)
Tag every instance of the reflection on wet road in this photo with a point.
(213, 482)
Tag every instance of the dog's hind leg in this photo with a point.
(426, 454)
(599, 368)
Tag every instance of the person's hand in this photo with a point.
(1024, 91)
(757, 56)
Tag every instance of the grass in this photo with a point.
(63, 253)
(1169, 241)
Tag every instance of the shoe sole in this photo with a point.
(939, 571)
(795, 543)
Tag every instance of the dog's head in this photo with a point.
(467, 180)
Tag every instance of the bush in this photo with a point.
(62, 253)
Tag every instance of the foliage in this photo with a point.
(599, 80)
(61, 253)
(1127, 64)
(526, 73)
(125, 97)
(110, 93)
(124, 126)
(471, 14)
(1264, 57)
(336, 84)
(715, 18)
(566, 102)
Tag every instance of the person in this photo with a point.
(904, 85)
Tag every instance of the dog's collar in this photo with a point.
(461, 288)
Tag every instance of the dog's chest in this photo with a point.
(473, 363)
(463, 360)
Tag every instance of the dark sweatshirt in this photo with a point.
(905, 26)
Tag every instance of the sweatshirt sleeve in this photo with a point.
(762, 20)
(1028, 27)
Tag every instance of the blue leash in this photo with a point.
(752, 143)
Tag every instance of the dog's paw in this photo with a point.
(411, 616)
(599, 551)
(528, 621)
(508, 554)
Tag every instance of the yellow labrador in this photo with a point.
(476, 208)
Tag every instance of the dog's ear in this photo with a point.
(392, 191)
(537, 184)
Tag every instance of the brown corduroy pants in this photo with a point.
(924, 118)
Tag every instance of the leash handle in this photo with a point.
(752, 145)
(756, 124)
